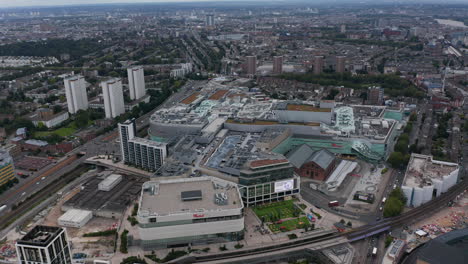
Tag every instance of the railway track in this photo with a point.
(353, 235)
(32, 201)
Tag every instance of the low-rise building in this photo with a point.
(317, 165)
(189, 211)
(46, 117)
(75, 218)
(426, 178)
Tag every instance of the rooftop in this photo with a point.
(191, 98)
(40, 235)
(307, 108)
(422, 169)
(218, 95)
(256, 164)
(187, 195)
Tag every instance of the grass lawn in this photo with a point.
(289, 225)
(63, 131)
(278, 210)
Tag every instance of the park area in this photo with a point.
(65, 131)
(289, 225)
(281, 216)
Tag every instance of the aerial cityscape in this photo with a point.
(286, 132)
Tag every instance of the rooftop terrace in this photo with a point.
(169, 197)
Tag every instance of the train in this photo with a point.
(3, 208)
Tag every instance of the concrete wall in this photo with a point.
(196, 229)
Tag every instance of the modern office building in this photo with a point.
(277, 64)
(44, 245)
(209, 22)
(251, 65)
(340, 64)
(426, 178)
(6, 167)
(136, 82)
(75, 91)
(318, 64)
(189, 211)
(142, 153)
(267, 180)
(113, 97)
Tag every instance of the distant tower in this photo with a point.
(251, 65)
(75, 91)
(318, 64)
(277, 64)
(113, 97)
(340, 64)
(343, 29)
(209, 20)
(136, 82)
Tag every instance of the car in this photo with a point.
(38, 182)
(43, 178)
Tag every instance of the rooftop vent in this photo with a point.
(221, 199)
(191, 195)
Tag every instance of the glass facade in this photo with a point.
(258, 185)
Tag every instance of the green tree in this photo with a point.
(82, 119)
(397, 160)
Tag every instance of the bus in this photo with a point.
(333, 203)
(374, 251)
(384, 200)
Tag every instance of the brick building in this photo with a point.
(317, 165)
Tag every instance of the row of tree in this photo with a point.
(393, 84)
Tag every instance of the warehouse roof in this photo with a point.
(304, 153)
(75, 215)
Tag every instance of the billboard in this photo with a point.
(282, 186)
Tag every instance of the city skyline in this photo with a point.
(39, 3)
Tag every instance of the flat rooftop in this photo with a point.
(307, 108)
(422, 169)
(166, 197)
(40, 236)
(191, 98)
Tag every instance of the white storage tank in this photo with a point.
(75, 218)
(110, 182)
